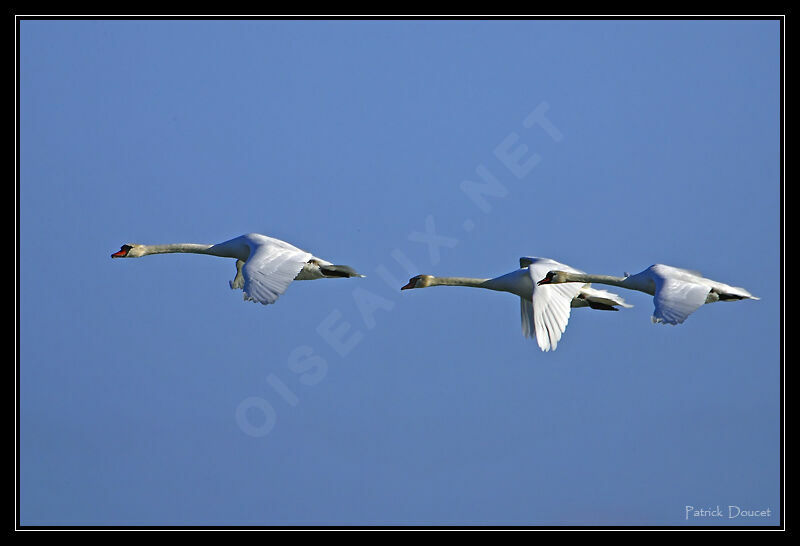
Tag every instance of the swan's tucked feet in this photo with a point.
(238, 281)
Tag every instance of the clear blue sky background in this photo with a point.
(150, 393)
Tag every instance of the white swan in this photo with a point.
(676, 292)
(264, 266)
(544, 310)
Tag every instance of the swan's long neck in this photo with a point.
(462, 281)
(631, 282)
(235, 248)
(488, 284)
(600, 279)
(177, 247)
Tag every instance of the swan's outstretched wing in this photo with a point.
(692, 272)
(270, 269)
(526, 314)
(676, 299)
(603, 297)
(550, 304)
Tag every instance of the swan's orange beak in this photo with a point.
(543, 281)
(122, 252)
(409, 285)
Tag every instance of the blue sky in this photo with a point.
(151, 394)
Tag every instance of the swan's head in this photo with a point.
(554, 277)
(130, 251)
(420, 281)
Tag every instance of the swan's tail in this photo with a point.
(735, 293)
(339, 271)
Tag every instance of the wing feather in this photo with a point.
(550, 304)
(676, 299)
(270, 269)
(603, 296)
(526, 313)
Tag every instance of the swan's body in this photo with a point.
(676, 292)
(544, 310)
(265, 266)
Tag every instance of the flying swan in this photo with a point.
(265, 266)
(544, 309)
(676, 292)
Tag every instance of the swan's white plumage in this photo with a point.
(680, 292)
(526, 316)
(270, 270)
(544, 310)
(675, 300)
(265, 266)
(677, 292)
(598, 295)
(547, 314)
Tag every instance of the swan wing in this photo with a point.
(676, 299)
(526, 314)
(270, 269)
(692, 272)
(602, 296)
(526, 261)
(550, 304)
